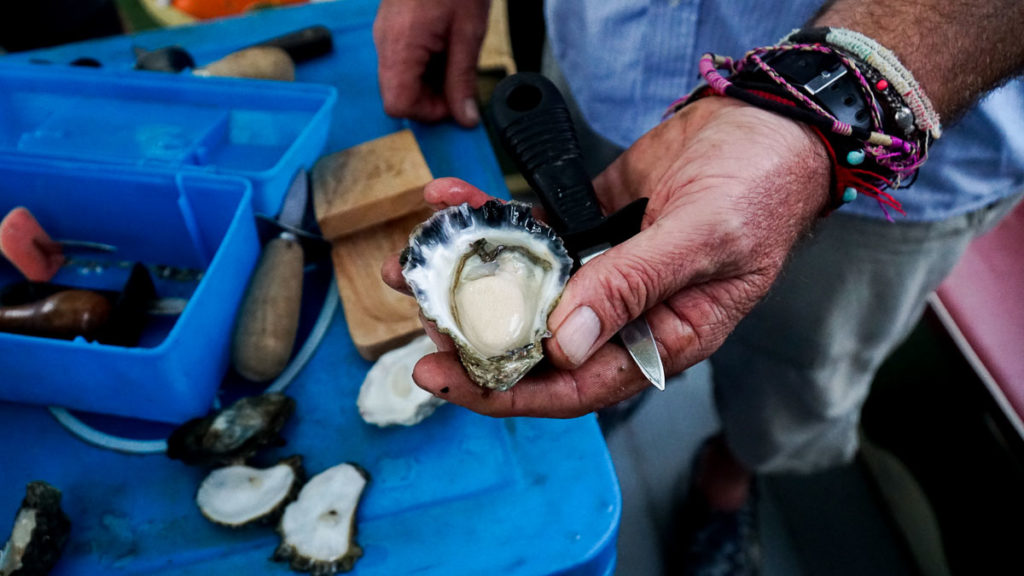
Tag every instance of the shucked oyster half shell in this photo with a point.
(488, 277)
(238, 495)
(318, 529)
(389, 396)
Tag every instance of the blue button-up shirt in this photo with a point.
(626, 61)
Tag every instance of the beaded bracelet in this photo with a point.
(867, 157)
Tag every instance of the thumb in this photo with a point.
(608, 292)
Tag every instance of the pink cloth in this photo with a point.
(984, 295)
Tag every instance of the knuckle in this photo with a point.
(623, 291)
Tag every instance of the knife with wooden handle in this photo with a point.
(268, 319)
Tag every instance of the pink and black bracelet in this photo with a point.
(873, 118)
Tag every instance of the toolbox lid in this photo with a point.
(261, 130)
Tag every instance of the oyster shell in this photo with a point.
(238, 495)
(488, 277)
(318, 529)
(233, 434)
(40, 530)
(389, 396)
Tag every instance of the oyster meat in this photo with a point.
(488, 277)
(238, 495)
(388, 396)
(318, 529)
(233, 434)
(40, 531)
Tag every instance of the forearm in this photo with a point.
(956, 49)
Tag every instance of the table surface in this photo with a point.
(459, 493)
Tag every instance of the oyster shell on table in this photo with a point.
(488, 277)
(388, 395)
(233, 434)
(41, 529)
(318, 529)
(239, 495)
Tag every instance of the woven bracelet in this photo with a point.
(878, 131)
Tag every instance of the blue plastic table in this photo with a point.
(457, 494)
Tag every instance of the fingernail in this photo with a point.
(578, 334)
(470, 111)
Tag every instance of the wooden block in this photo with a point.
(379, 318)
(367, 200)
(366, 185)
(496, 51)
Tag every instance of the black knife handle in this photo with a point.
(533, 123)
(304, 44)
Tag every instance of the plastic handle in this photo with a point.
(268, 319)
(536, 130)
(304, 44)
(66, 315)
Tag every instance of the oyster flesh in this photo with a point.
(318, 529)
(238, 495)
(233, 434)
(40, 530)
(389, 396)
(488, 277)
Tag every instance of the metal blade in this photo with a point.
(639, 341)
(294, 208)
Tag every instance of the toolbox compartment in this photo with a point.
(171, 171)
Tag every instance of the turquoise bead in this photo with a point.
(855, 157)
(849, 195)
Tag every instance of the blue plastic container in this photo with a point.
(169, 170)
(260, 130)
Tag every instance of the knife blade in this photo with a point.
(268, 318)
(535, 128)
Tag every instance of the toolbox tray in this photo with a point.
(169, 169)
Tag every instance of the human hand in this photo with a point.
(426, 58)
(731, 188)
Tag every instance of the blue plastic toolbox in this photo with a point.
(459, 494)
(168, 171)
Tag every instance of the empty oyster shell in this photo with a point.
(389, 396)
(318, 529)
(40, 530)
(488, 277)
(233, 434)
(239, 495)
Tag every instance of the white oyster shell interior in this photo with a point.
(21, 537)
(235, 495)
(319, 526)
(389, 396)
(488, 277)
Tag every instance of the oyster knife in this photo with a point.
(536, 130)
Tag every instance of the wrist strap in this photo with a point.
(874, 119)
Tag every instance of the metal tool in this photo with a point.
(536, 130)
(268, 319)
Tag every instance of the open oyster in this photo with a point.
(389, 396)
(238, 495)
(318, 529)
(233, 434)
(488, 277)
(40, 530)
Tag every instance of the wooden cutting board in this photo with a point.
(367, 200)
